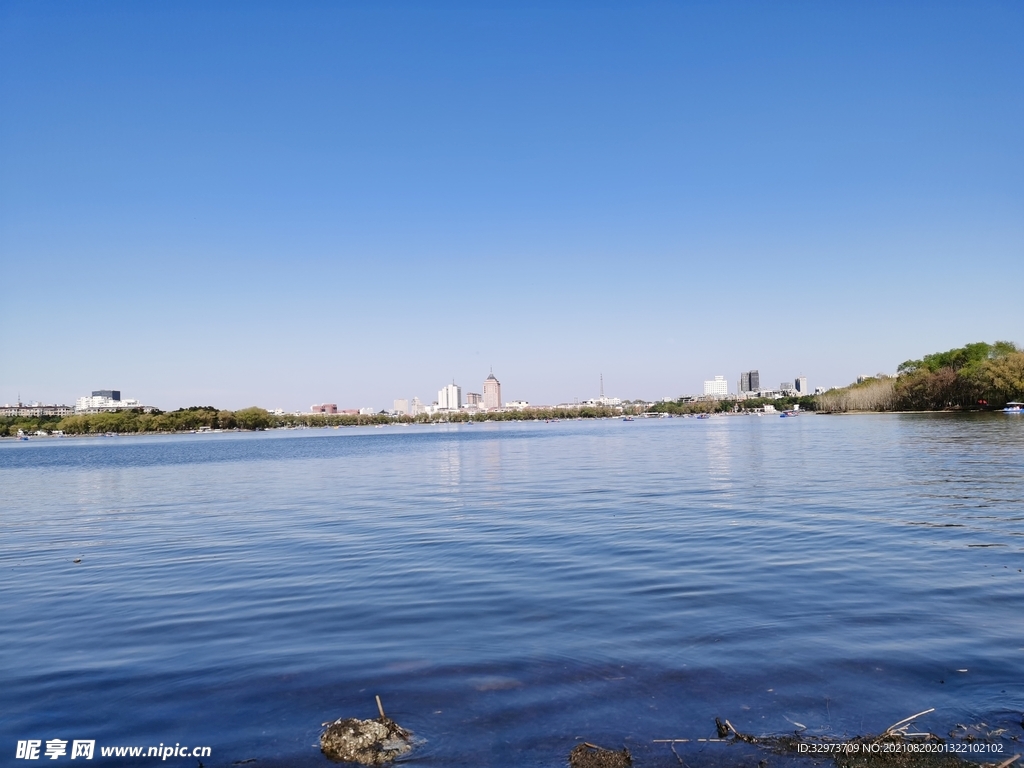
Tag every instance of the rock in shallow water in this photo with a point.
(370, 742)
(588, 756)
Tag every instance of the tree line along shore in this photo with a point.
(205, 418)
(978, 376)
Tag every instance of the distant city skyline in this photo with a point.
(450, 397)
(241, 204)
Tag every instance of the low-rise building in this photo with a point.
(603, 402)
(107, 400)
(35, 410)
(324, 408)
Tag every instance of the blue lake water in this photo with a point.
(509, 589)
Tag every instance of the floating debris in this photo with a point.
(896, 747)
(369, 742)
(587, 755)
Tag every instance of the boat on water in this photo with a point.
(703, 415)
(786, 414)
(1014, 407)
(628, 418)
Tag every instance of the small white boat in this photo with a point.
(1014, 408)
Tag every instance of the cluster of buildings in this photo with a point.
(100, 401)
(449, 400)
(749, 386)
(452, 399)
(332, 408)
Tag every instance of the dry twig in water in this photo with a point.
(895, 727)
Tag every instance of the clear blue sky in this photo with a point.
(281, 204)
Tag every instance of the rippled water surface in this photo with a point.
(508, 589)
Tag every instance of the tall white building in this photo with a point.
(450, 397)
(492, 392)
(719, 387)
(402, 407)
(801, 385)
(416, 407)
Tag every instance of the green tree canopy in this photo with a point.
(967, 356)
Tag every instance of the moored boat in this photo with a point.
(1014, 407)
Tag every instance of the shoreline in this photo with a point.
(475, 419)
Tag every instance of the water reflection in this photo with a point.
(449, 460)
(719, 448)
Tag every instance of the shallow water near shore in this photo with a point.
(508, 589)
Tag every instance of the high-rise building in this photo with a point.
(801, 385)
(401, 407)
(113, 394)
(450, 397)
(750, 381)
(719, 387)
(416, 407)
(474, 398)
(492, 392)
